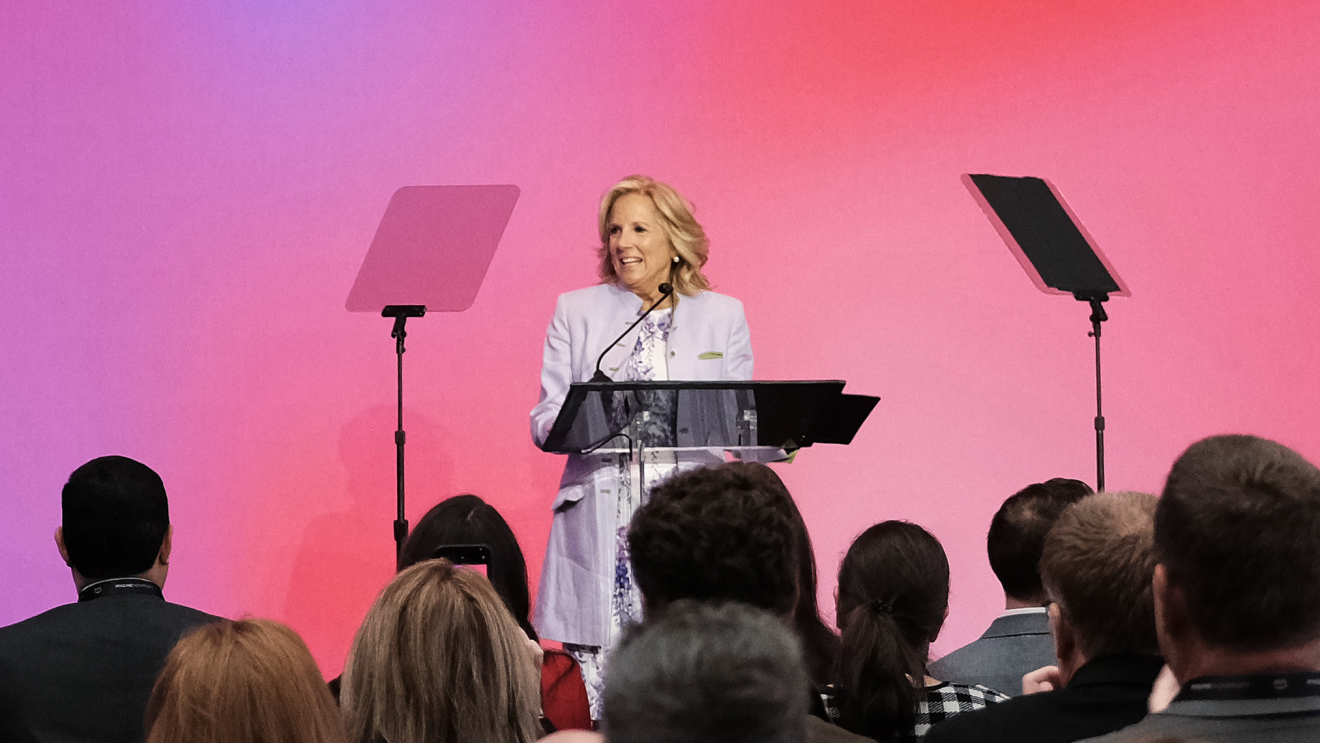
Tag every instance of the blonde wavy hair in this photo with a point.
(242, 682)
(439, 659)
(684, 232)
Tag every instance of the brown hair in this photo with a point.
(1097, 566)
(242, 682)
(893, 595)
(1017, 534)
(439, 659)
(1238, 530)
(684, 232)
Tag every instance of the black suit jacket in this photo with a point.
(83, 672)
(1104, 695)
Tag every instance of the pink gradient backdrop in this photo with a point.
(187, 192)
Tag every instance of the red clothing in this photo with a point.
(563, 694)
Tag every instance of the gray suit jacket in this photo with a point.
(1012, 647)
(1228, 721)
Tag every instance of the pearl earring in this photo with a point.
(675, 259)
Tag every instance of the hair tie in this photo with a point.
(880, 606)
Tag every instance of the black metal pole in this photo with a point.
(400, 522)
(1098, 316)
(400, 313)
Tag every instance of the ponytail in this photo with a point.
(877, 669)
(881, 666)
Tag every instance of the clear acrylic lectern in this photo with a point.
(754, 421)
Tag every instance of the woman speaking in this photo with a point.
(648, 237)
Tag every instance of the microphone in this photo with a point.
(665, 290)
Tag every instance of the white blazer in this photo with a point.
(708, 341)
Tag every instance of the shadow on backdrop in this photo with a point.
(345, 558)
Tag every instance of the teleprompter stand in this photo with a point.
(431, 251)
(1057, 253)
(754, 421)
(400, 313)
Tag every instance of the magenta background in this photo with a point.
(186, 194)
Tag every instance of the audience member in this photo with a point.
(1018, 641)
(467, 519)
(820, 645)
(1096, 567)
(1237, 594)
(716, 534)
(721, 534)
(249, 681)
(439, 659)
(87, 668)
(12, 727)
(893, 598)
(702, 672)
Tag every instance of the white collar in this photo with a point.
(1023, 612)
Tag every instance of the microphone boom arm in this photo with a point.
(666, 290)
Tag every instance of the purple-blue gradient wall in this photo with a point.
(186, 194)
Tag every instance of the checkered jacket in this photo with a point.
(946, 700)
(937, 703)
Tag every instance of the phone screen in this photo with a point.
(476, 568)
(474, 557)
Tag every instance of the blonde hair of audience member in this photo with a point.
(439, 659)
(685, 234)
(1096, 565)
(242, 682)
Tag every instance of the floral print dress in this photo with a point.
(647, 362)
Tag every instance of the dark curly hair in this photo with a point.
(716, 534)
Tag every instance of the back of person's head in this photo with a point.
(1097, 566)
(115, 516)
(249, 681)
(467, 519)
(820, 644)
(439, 659)
(893, 597)
(720, 533)
(706, 672)
(1017, 534)
(1238, 531)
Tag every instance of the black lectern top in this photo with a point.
(730, 415)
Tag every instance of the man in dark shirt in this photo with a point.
(83, 671)
(1096, 566)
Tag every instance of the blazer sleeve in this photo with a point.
(739, 360)
(556, 374)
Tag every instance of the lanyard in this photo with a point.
(116, 586)
(1261, 686)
